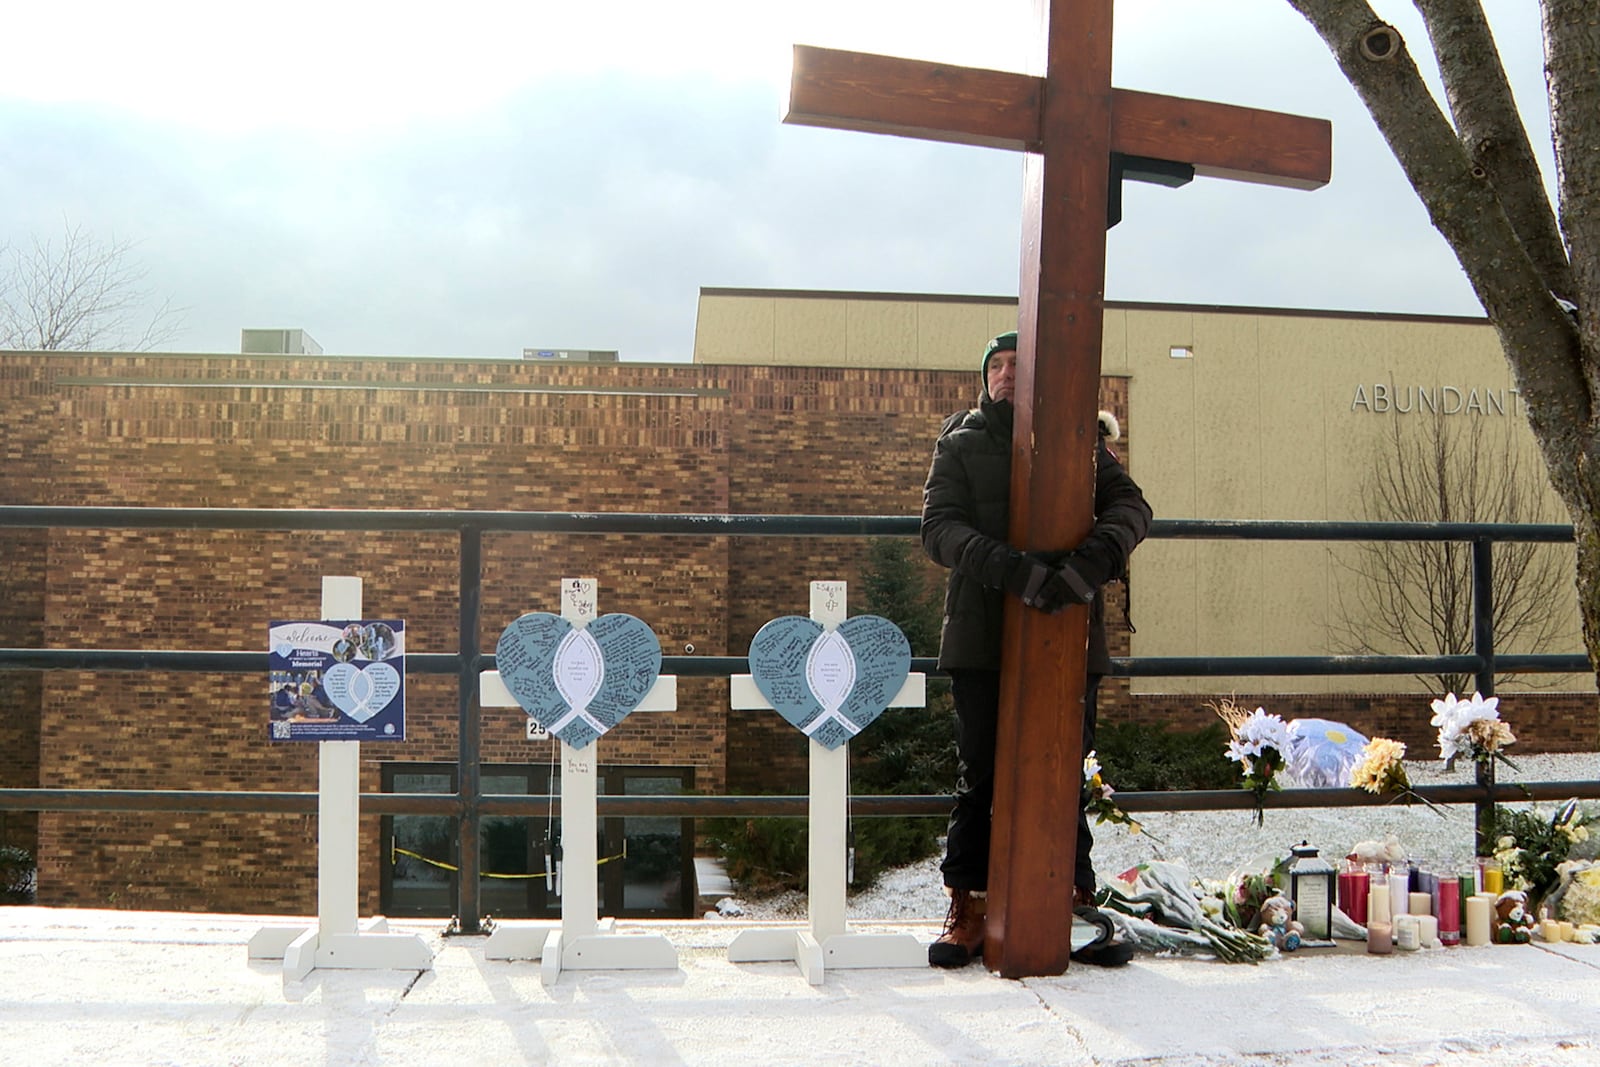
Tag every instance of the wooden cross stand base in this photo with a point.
(827, 942)
(338, 940)
(581, 942)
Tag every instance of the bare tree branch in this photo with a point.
(80, 295)
(1416, 596)
(1492, 131)
(1540, 341)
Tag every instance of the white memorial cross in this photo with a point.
(828, 942)
(338, 940)
(581, 942)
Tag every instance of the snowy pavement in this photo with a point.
(137, 988)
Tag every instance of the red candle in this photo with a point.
(1353, 888)
(1449, 911)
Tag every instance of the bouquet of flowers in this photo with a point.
(1097, 801)
(1531, 849)
(1382, 771)
(1577, 900)
(1159, 906)
(1260, 745)
(1244, 891)
(1471, 728)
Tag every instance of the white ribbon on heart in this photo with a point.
(830, 674)
(578, 670)
(361, 690)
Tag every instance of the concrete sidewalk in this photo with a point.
(117, 987)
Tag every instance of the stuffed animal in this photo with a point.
(1278, 923)
(1512, 923)
(1389, 850)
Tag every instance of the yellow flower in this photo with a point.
(1381, 767)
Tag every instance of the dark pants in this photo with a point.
(966, 858)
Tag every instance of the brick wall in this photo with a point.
(315, 433)
(25, 439)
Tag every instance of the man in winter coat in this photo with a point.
(965, 519)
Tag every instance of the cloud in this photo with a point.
(577, 185)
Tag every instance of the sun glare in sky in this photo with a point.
(332, 63)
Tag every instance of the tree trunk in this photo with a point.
(1486, 198)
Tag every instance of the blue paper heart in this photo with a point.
(578, 684)
(830, 686)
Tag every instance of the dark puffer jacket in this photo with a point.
(965, 520)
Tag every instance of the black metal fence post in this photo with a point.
(1483, 648)
(469, 786)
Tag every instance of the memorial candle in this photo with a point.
(1407, 933)
(1430, 886)
(1493, 878)
(1379, 939)
(1378, 899)
(1449, 911)
(1353, 890)
(1478, 919)
(1399, 892)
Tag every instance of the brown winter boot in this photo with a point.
(962, 940)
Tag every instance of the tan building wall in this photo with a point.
(1266, 414)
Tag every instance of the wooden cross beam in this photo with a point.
(1074, 127)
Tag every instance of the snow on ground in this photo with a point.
(1216, 844)
(137, 988)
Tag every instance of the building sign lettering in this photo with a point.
(1382, 398)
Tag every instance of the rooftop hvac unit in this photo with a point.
(573, 355)
(278, 343)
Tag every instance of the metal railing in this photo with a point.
(469, 804)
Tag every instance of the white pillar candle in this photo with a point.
(1478, 919)
(1569, 932)
(1420, 903)
(1428, 931)
(1550, 929)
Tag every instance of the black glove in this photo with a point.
(1039, 585)
(1081, 577)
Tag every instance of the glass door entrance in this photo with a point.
(646, 863)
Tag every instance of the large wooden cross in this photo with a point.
(1080, 135)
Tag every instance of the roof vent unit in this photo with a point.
(571, 355)
(278, 343)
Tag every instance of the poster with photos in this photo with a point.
(337, 680)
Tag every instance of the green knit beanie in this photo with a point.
(1006, 342)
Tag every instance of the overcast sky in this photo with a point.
(470, 179)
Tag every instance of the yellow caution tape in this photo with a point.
(395, 850)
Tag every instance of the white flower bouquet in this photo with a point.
(1260, 746)
(1471, 728)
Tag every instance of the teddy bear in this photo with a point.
(1512, 923)
(1278, 923)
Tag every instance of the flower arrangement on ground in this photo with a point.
(1578, 899)
(1162, 907)
(1238, 898)
(1471, 728)
(1531, 848)
(1260, 746)
(1381, 771)
(1097, 793)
